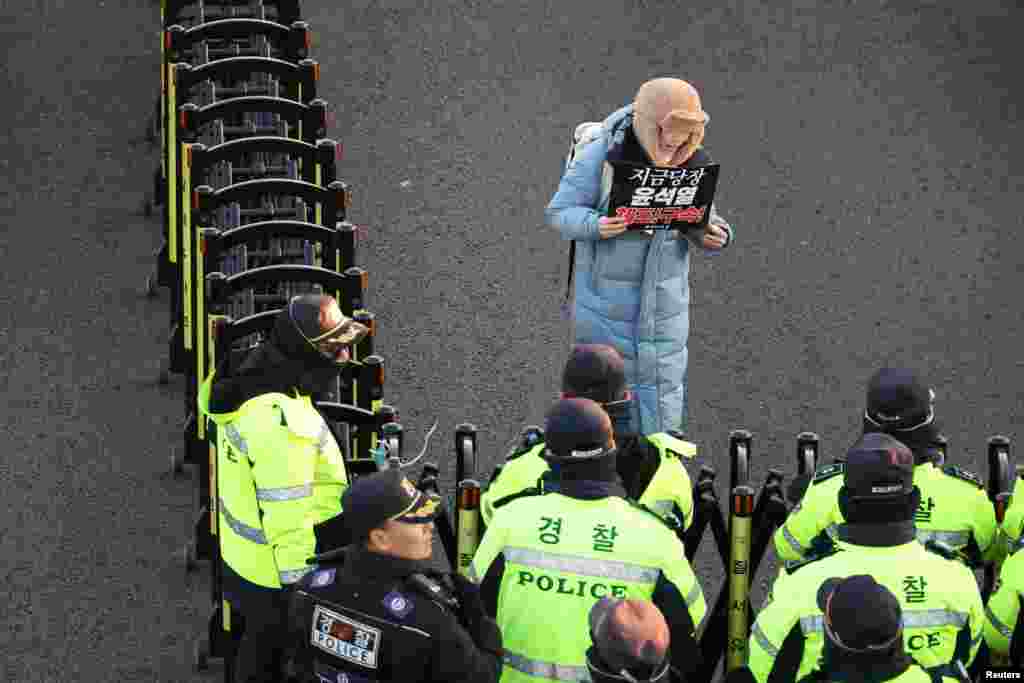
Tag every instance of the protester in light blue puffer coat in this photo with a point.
(632, 288)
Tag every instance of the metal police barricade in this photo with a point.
(466, 507)
(317, 164)
(180, 78)
(1000, 488)
(293, 43)
(741, 545)
(198, 11)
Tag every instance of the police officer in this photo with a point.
(942, 609)
(374, 611)
(280, 471)
(630, 642)
(1004, 625)
(550, 556)
(954, 507)
(1013, 520)
(650, 467)
(863, 624)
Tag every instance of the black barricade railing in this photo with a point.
(181, 120)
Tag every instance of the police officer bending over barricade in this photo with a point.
(280, 471)
(374, 611)
(942, 609)
(631, 641)
(1004, 626)
(650, 467)
(863, 624)
(548, 557)
(954, 507)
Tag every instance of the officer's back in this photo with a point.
(375, 612)
(546, 559)
(954, 508)
(650, 466)
(942, 608)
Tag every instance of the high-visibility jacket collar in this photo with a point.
(878, 535)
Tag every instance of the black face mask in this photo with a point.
(621, 414)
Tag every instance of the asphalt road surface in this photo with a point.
(871, 166)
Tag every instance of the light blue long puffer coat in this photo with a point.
(632, 292)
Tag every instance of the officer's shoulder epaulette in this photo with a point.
(670, 521)
(965, 475)
(672, 444)
(812, 557)
(525, 493)
(942, 549)
(527, 442)
(828, 471)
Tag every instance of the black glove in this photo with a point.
(482, 629)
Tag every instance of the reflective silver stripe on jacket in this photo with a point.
(662, 507)
(242, 529)
(536, 667)
(1000, 626)
(293, 575)
(236, 439)
(694, 594)
(323, 438)
(954, 539)
(585, 566)
(793, 543)
(763, 641)
(285, 493)
(920, 618)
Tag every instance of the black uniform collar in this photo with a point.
(878, 535)
(585, 489)
(361, 562)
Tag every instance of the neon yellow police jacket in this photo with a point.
(943, 614)
(555, 556)
(1004, 605)
(279, 472)
(669, 491)
(954, 509)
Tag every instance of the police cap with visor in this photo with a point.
(374, 499)
(313, 329)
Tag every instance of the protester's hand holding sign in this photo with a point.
(611, 227)
(714, 237)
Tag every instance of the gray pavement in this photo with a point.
(871, 164)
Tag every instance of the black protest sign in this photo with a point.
(649, 197)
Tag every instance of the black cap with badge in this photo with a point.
(385, 496)
(313, 329)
